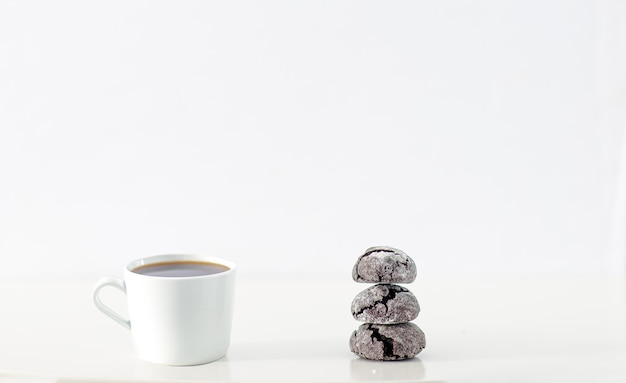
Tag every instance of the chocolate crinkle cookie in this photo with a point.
(385, 304)
(384, 264)
(387, 342)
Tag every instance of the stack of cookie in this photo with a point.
(386, 308)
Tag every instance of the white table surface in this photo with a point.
(297, 330)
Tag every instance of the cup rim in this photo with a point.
(173, 257)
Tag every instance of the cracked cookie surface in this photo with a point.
(385, 304)
(387, 342)
(383, 264)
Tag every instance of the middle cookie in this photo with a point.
(385, 304)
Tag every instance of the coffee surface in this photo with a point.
(180, 269)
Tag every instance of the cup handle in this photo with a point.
(106, 310)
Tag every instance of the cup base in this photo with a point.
(181, 362)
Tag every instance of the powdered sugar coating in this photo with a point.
(385, 304)
(387, 342)
(383, 264)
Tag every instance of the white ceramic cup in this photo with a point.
(175, 320)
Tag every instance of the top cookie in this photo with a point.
(382, 264)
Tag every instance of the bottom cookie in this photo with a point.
(387, 341)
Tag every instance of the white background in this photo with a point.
(481, 137)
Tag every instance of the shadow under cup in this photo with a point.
(179, 306)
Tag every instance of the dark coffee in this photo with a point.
(177, 269)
